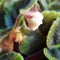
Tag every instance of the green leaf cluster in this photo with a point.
(52, 52)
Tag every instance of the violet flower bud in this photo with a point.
(33, 20)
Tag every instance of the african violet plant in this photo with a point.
(23, 23)
(15, 25)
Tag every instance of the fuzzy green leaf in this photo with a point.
(31, 43)
(54, 34)
(29, 6)
(11, 56)
(53, 41)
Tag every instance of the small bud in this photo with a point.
(33, 20)
(19, 36)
